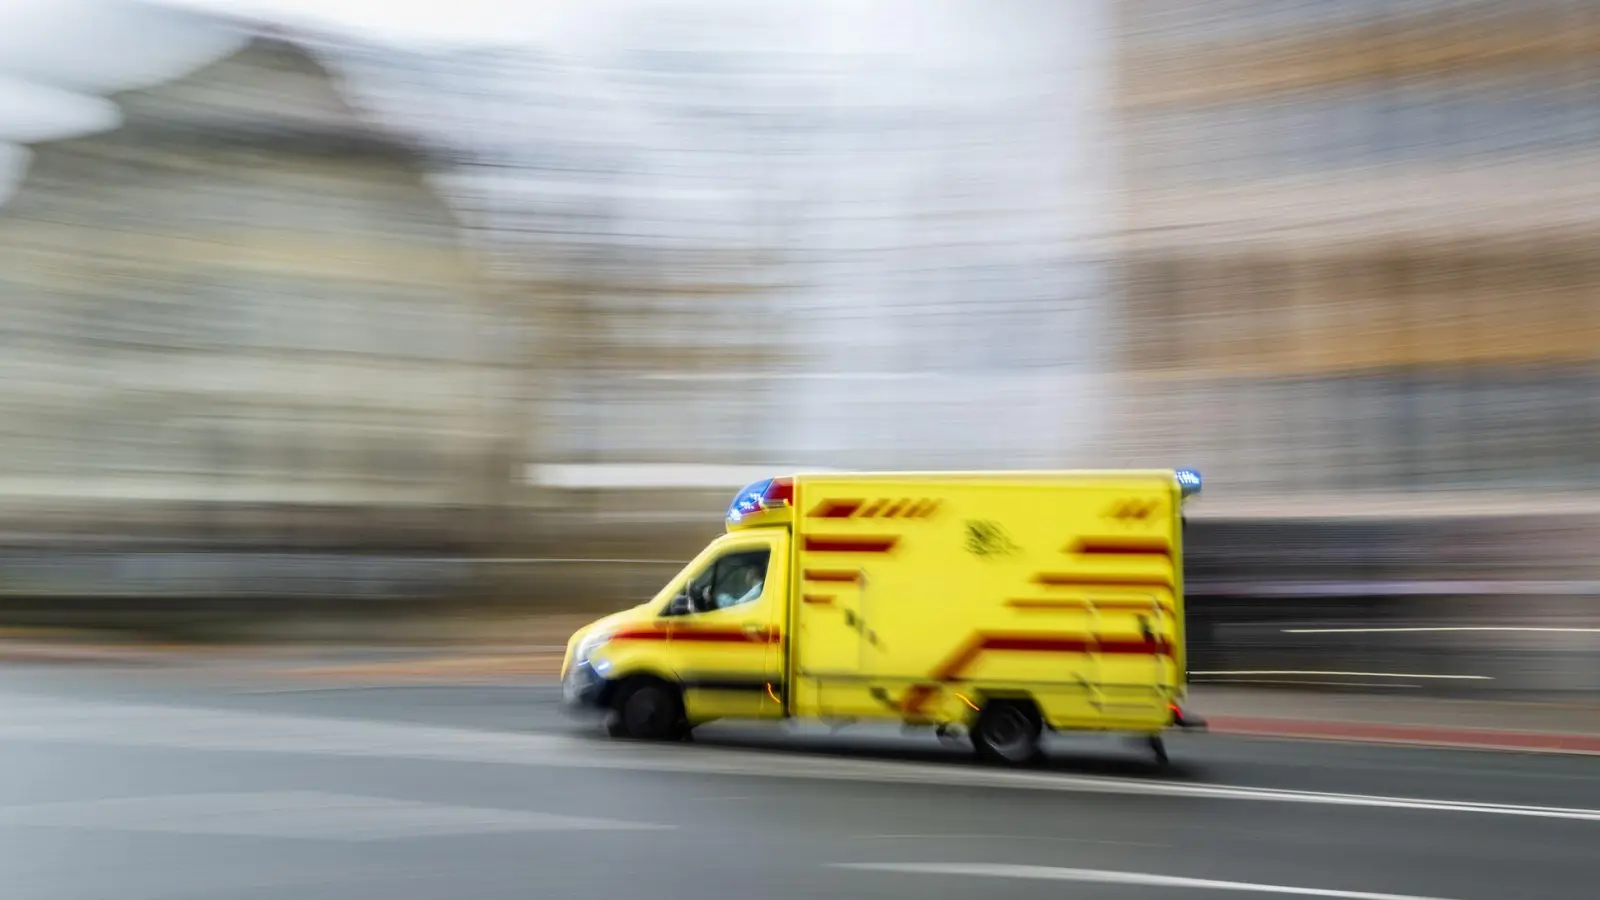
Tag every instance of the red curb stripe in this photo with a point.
(1421, 735)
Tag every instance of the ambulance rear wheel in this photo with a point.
(1008, 732)
(648, 710)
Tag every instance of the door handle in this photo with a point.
(754, 631)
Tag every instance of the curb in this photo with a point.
(66, 653)
(1409, 735)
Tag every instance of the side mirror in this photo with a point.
(680, 606)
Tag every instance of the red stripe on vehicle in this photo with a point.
(1125, 545)
(642, 634)
(918, 697)
(1087, 643)
(845, 544)
(722, 636)
(1085, 605)
(699, 635)
(1097, 579)
(834, 509)
(832, 575)
(980, 643)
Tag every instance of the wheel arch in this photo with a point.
(616, 685)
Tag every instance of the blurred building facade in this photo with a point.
(1359, 247)
(244, 318)
(761, 250)
(319, 294)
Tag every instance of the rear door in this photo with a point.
(726, 647)
(859, 555)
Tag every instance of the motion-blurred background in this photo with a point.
(375, 314)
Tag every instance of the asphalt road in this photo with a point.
(128, 785)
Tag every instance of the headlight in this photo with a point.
(590, 644)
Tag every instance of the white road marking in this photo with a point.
(308, 815)
(1049, 839)
(52, 720)
(1386, 685)
(1105, 876)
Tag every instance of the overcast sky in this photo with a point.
(59, 59)
(838, 25)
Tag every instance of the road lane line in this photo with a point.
(1106, 876)
(207, 730)
(304, 815)
(1442, 736)
(1044, 838)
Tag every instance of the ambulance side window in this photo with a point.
(733, 580)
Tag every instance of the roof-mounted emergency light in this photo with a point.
(770, 493)
(1188, 482)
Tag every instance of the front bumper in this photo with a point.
(581, 690)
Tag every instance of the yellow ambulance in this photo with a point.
(995, 605)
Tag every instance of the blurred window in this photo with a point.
(243, 309)
(1371, 124)
(733, 580)
(1181, 22)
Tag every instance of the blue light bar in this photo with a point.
(1188, 482)
(750, 500)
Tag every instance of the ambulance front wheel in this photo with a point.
(648, 709)
(1008, 732)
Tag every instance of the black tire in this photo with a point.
(648, 710)
(1008, 732)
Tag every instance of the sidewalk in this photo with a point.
(1475, 724)
(1267, 713)
(517, 648)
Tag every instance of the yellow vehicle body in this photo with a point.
(920, 598)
